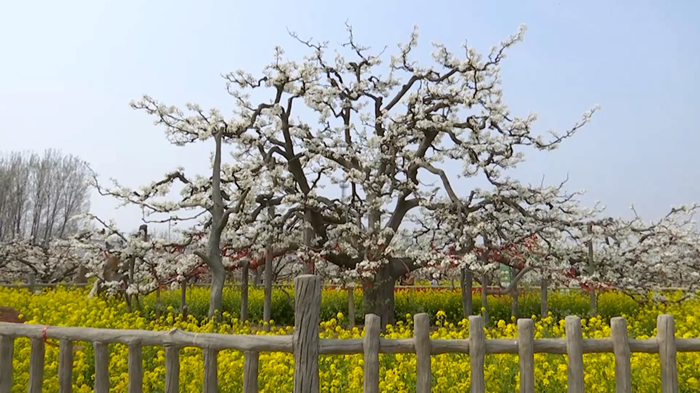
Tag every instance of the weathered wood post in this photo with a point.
(574, 349)
(526, 355)
(666, 336)
(621, 349)
(307, 320)
(65, 366)
(135, 364)
(211, 379)
(36, 365)
(101, 367)
(7, 348)
(370, 345)
(251, 367)
(477, 351)
(172, 369)
(424, 378)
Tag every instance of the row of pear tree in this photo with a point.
(411, 142)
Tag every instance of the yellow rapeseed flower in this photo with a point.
(339, 373)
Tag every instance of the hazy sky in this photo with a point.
(68, 70)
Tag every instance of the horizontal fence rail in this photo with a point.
(306, 346)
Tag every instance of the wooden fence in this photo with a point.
(306, 346)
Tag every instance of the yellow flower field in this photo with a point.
(339, 373)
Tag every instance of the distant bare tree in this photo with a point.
(40, 194)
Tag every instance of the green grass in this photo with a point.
(408, 303)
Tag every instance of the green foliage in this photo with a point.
(408, 303)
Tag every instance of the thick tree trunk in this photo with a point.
(244, 292)
(544, 306)
(514, 294)
(218, 279)
(258, 273)
(379, 296)
(81, 276)
(267, 307)
(484, 298)
(183, 300)
(467, 284)
(591, 272)
(132, 268)
(219, 219)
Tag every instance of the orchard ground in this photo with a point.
(71, 307)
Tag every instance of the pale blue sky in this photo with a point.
(68, 70)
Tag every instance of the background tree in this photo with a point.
(637, 256)
(40, 197)
(50, 262)
(40, 194)
(211, 202)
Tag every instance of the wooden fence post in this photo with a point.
(135, 367)
(373, 325)
(36, 365)
(526, 355)
(621, 349)
(7, 348)
(477, 351)
(172, 369)
(65, 366)
(351, 305)
(250, 372)
(424, 377)
(574, 349)
(307, 320)
(211, 378)
(101, 367)
(666, 331)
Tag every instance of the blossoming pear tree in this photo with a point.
(638, 256)
(130, 265)
(394, 133)
(224, 206)
(50, 262)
